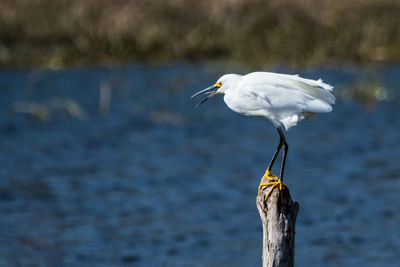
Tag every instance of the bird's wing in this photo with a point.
(316, 89)
(263, 96)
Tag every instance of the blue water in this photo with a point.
(152, 181)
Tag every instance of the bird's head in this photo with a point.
(226, 82)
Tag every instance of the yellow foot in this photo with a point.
(269, 176)
(273, 185)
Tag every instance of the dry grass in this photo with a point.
(65, 32)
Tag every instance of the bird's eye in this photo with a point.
(218, 84)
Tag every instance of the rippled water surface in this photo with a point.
(104, 167)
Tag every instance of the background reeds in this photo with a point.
(69, 32)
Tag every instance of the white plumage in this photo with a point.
(283, 99)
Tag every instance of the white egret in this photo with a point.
(281, 98)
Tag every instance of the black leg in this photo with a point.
(276, 183)
(285, 150)
(271, 164)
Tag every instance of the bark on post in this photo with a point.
(278, 222)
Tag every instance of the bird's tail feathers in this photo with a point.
(315, 83)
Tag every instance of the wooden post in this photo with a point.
(278, 222)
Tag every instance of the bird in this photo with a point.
(283, 99)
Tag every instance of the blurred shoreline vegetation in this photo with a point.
(296, 32)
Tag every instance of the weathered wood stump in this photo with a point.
(278, 222)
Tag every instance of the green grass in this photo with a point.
(296, 32)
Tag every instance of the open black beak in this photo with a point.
(209, 94)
